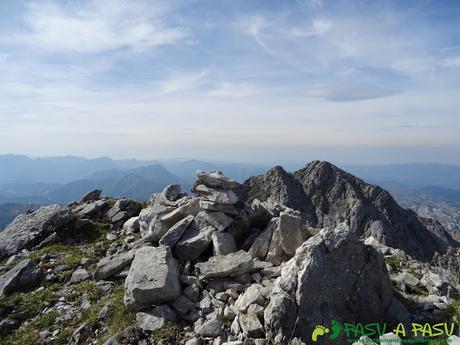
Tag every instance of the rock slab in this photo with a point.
(152, 279)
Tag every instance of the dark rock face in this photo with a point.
(280, 187)
(92, 195)
(23, 276)
(334, 196)
(333, 276)
(369, 210)
(29, 229)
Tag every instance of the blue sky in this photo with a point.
(348, 81)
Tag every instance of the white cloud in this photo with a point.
(453, 61)
(255, 26)
(414, 66)
(181, 81)
(318, 27)
(234, 90)
(97, 26)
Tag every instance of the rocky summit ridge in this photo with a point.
(263, 262)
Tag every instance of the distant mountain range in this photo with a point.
(23, 169)
(9, 211)
(410, 175)
(64, 179)
(28, 181)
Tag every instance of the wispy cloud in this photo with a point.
(318, 27)
(98, 26)
(181, 81)
(234, 90)
(349, 93)
(453, 61)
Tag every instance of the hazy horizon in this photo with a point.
(353, 82)
(268, 162)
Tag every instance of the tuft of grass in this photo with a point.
(119, 319)
(224, 320)
(29, 335)
(87, 287)
(394, 262)
(170, 333)
(27, 305)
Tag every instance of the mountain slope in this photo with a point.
(23, 169)
(337, 196)
(138, 183)
(9, 211)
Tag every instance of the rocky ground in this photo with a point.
(258, 263)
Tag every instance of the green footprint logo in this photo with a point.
(319, 331)
(336, 330)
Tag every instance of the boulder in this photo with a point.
(229, 265)
(287, 237)
(216, 179)
(109, 266)
(131, 226)
(219, 196)
(211, 328)
(155, 319)
(280, 316)
(81, 334)
(406, 278)
(172, 192)
(152, 279)
(25, 275)
(223, 243)
(185, 308)
(92, 210)
(279, 241)
(435, 283)
(151, 213)
(123, 210)
(253, 294)
(160, 225)
(175, 232)
(261, 244)
(251, 326)
(219, 220)
(194, 242)
(79, 275)
(92, 195)
(207, 205)
(327, 267)
(29, 229)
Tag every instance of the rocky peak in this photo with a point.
(280, 187)
(327, 196)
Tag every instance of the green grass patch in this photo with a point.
(171, 333)
(395, 263)
(87, 287)
(27, 305)
(29, 335)
(119, 318)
